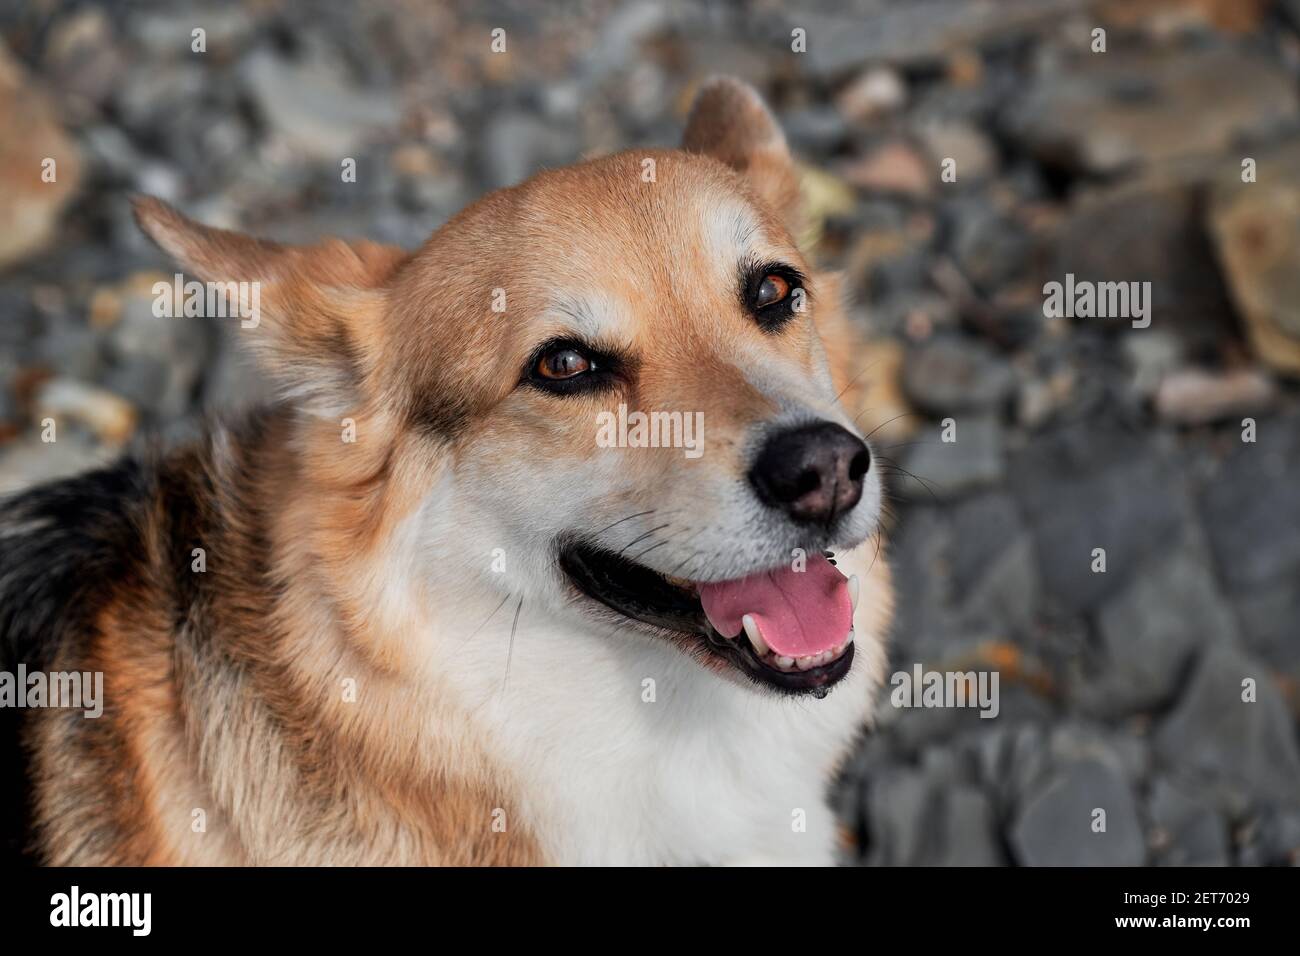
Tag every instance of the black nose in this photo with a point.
(813, 473)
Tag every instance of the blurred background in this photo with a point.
(1120, 690)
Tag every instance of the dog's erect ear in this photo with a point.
(313, 316)
(730, 122)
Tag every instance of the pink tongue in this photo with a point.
(799, 612)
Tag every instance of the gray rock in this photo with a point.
(1150, 632)
(1189, 831)
(1271, 838)
(1240, 753)
(949, 374)
(1152, 233)
(949, 469)
(1084, 488)
(1151, 356)
(314, 106)
(157, 361)
(1077, 740)
(993, 568)
(1104, 114)
(989, 247)
(975, 155)
(900, 805)
(1270, 624)
(814, 128)
(1251, 497)
(29, 461)
(516, 144)
(968, 830)
(1055, 826)
(166, 34)
(919, 32)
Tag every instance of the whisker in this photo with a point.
(639, 514)
(484, 624)
(510, 651)
(643, 537)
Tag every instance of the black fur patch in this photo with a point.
(61, 547)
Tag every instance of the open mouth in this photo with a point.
(790, 628)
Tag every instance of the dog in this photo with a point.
(416, 612)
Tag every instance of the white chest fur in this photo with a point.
(626, 751)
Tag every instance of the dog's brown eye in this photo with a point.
(562, 363)
(771, 290)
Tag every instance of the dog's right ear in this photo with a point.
(313, 316)
(730, 122)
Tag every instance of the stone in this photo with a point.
(1270, 621)
(1271, 838)
(313, 106)
(948, 375)
(947, 470)
(974, 153)
(894, 168)
(1190, 832)
(156, 361)
(1105, 114)
(1055, 825)
(813, 129)
(968, 829)
(920, 33)
(1199, 397)
(992, 567)
(1151, 356)
(517, 144)
(1236, 752)
(872, 94)
(30, 135)
(1146, 232)
(1256, 231)
(1250, 498)
(108, 416)
(990, 248)
(1093, 487)
(29, 461)
(899, 807)
(1151, 631)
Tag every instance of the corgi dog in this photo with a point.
(420, 611)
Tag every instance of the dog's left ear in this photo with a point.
(730, 122)
(320, 310)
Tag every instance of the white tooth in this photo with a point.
(754, 634)
(853, 592)
(785, 663)
(806, 663)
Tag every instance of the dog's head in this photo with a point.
(615, 373)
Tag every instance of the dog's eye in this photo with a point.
(771, 290)
(570, 366)
(772, 293)
(562, 363)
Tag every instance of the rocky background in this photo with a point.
(1121, 689)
